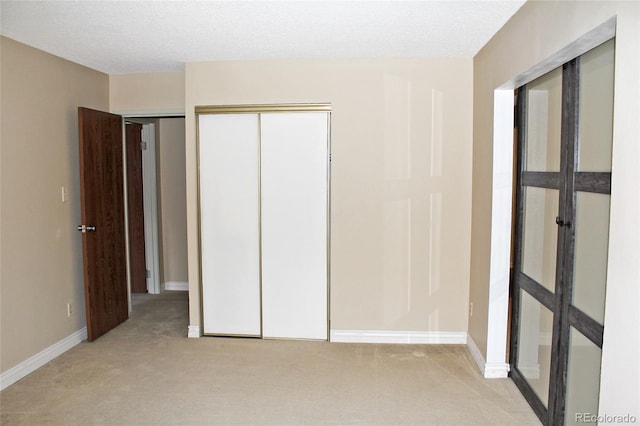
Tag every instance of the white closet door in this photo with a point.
(229, 209)
(294, 154)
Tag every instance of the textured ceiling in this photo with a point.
(144, 36)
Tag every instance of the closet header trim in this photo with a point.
(237, 109)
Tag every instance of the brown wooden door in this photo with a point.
(137, 263)
(102, 207)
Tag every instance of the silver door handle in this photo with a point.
(86, 228)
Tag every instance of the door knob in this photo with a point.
(562, 222)
(86, 228)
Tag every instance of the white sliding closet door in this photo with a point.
(229, 221)
(294, 155)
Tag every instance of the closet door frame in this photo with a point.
(259, 109)
(569, 181)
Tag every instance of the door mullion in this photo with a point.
(586, 325)
(566, 246)
(549, 180)
(538, 292)
(597, 182)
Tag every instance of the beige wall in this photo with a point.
(41, 264)
(172, 199)
(401, 180)
(536, 32)
(147, 93)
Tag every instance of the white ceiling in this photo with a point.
(118, 37)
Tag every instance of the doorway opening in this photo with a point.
(156, 214)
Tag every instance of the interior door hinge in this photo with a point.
(143, 145)
(148, 273)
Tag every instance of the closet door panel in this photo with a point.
(229, 220)
(294, 153)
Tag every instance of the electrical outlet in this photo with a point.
(470, 309)
(69, 310)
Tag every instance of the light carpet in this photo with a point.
(147, 372)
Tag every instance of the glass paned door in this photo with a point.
(583, 378)
(534, 357)
(538, 260)
(564, 121)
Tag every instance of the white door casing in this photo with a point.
(150, 195)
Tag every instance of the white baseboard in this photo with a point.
(475, 353)
(176, 286)
(488, 370)
(194, 332)
(496, 370)
(402, 337)
(28, 366)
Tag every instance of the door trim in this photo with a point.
(150, 195)
(255, 109)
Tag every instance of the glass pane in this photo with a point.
(583, 379)
(596, 108)
(591, 245)
(534, 344)
(544, 117)
(540, 235)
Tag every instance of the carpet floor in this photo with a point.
(146, 372)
